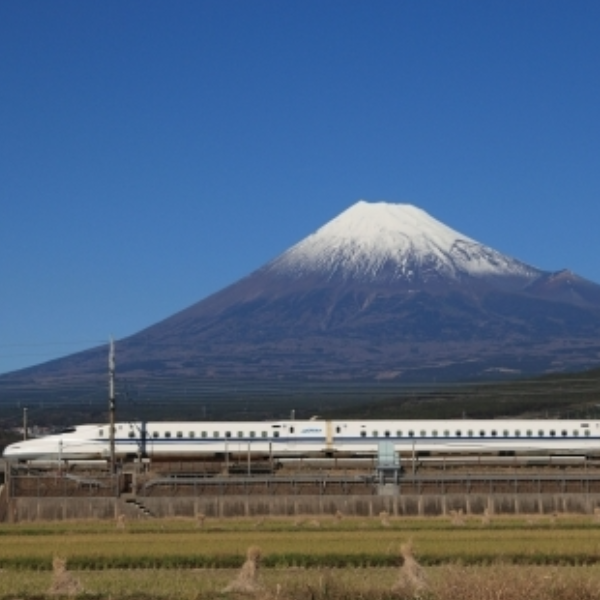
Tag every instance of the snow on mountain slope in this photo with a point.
(382, 241)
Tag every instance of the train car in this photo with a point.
(313, 438)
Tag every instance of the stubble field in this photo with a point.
(550, 557)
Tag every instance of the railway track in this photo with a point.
(216, 479)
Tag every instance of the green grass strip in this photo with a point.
(290, 559)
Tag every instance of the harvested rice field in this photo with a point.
(555, 557)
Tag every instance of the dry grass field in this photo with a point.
(545, 557)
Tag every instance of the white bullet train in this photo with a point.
(281, 439)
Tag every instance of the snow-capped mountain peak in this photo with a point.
(382, 242)
(381, 292)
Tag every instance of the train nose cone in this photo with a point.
(20, 451)
(12, 451)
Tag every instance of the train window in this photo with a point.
(564, 433)
(363, 434)
(458, 433)
(167, 434)
(552, 432)
(398, 434)
(470, 433)
(529, 433)
(517, 433)
(587, 433)
(192, 434)
(131, 434)
(228, 434)
(155, 434)
(337, 429)
(292, 430)
(216, 434)
(276, 434)
(101, 433)
(253, 434)
(506, 433)
(263, 434)
(411, 434)
(446, 433)
(387, 434)
(482, 433)
(204, 434)
(180, 434)
(375, 434)
(240, 434)
(541, 433)
(575, 432)
(434, 432)
(494, 432)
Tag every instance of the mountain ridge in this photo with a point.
(363, 297)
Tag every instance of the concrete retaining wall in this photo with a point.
(34, 509)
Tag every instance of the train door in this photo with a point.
(329, 437)
(291, 437)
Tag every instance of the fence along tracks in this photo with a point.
(569, 476)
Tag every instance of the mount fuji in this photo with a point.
(383, 291)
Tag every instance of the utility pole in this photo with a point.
(111, 402)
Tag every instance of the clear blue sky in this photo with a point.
(153, 152)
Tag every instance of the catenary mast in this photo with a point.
(111, 401)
